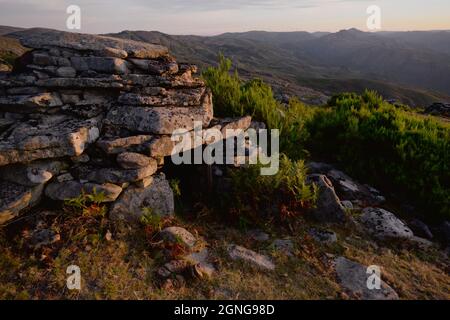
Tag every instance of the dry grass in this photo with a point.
(10, 49)
(124, 268)
(414, 275)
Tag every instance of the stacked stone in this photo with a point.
(84, 112)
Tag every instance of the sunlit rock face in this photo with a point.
(104, 109)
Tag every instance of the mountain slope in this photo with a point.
(328, 62)
(381, 58)
(410, 67)
(7, 29)
(438, 41)
(10, 49)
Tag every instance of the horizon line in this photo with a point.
(232, 32)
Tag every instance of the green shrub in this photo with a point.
(392, 147)
(233, 97)
(89, 204)
(256, 196)
(291, 180)
(151, 220)
(405, 153)
(8, 58)
(175, 186)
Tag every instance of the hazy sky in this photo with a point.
(208, 17)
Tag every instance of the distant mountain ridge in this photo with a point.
(410, 67)
(7, 29)
(405, 66)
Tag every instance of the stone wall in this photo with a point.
(84, 112)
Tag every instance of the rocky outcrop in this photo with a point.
(352, 193)
(420, 229)
(384, 225)
(364, 201)
(15, 197)
(61, 191)
(246, 255)
(328, 207)
(104, 110)
(178, 235)
(353, 277)
(439, 109)
(323, 236)
(192, 262)
(47, 137)
(283, 246)
(101, 46)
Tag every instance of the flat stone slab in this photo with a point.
(108, 65)
(116, 145)
(180, 81)
(160, 146)
(14, 198)
(178, 234)
(33, 173)
(39, 38)
(81, 83)
(67, 190)
(353, 278)
(49, 137)
(155, 120)
(117, 175)
(164, 97)
(156, 67)
(133, 160)
(240, 123)
(40, 102)
(240, 253)
(17, 80)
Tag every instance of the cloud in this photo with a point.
(48, 6)
(215, 16)
(217, 5)
(25, 6)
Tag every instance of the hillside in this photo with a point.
(400, 66)
(437, 41)
(7, 29)
(90, 181)
(408, 67)
(384, 58)
(10, 49)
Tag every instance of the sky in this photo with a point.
(210, 17)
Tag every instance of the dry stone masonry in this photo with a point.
(84, 113)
